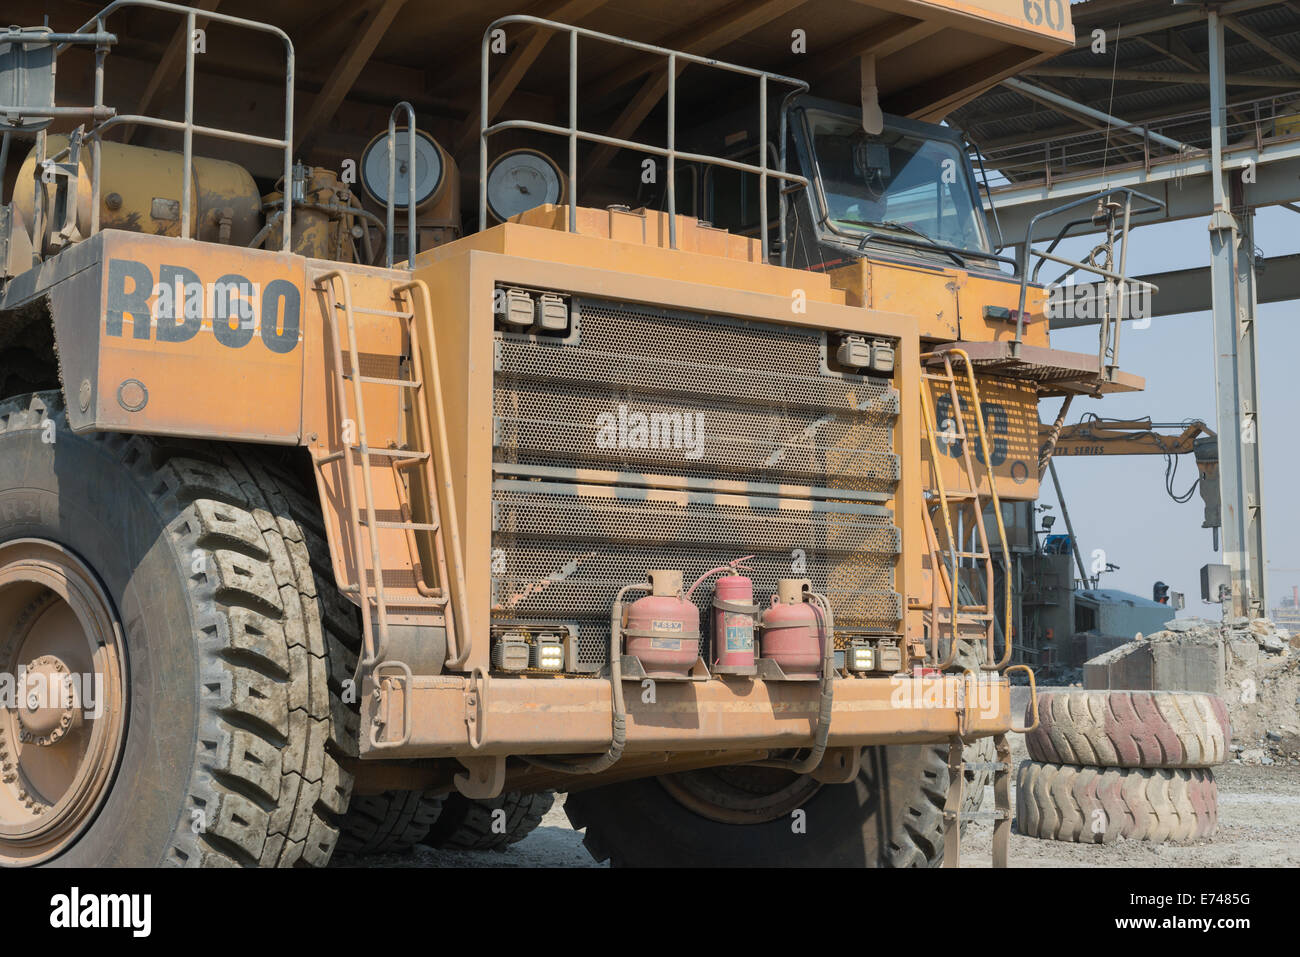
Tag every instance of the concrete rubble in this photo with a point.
(1253, 664)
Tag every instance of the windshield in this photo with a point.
(895, 182)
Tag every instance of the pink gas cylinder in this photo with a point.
(792, 630)
(662, 629)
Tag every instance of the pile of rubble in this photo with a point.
(1260, 681)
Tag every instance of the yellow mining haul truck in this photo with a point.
(302, 548)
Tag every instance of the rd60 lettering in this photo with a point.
(234, 307)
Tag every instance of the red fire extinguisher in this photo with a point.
(734, 615)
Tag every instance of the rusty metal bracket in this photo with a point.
(1002, 801)
(385, 685)
(1033, 697)
(953, 803)
(486, 777)
(838, 766)
(476, 707)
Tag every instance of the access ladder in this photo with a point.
(440, 602)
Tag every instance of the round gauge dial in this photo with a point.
(428, 168)
(520, 180)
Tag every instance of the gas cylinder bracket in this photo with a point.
(633, 670)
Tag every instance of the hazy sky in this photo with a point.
(1119, 503)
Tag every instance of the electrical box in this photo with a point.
(853, 352)
(1216, 583)
(889, 656)
(882, 356)
(552, 313)
(515, 307)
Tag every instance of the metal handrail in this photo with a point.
(1121, 278)
(93, 31)
(1086, 147)
(574, 134)
(410, 181)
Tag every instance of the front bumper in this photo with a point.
(431, 717)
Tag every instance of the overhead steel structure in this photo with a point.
(1198, 105)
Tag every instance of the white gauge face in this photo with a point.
(428, 168)
(519, 181)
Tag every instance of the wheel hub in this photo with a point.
(62, 699)
(47, 701)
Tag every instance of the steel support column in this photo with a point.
(1232, 276)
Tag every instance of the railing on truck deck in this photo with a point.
(573, 133)
(104, 117)
(1100, 262)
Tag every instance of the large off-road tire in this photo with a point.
(1061, 802)
(474, 825)
(1130, 729)
(220, 648)
(387, 823)
(891, 815)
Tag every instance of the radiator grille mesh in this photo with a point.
(642, 390)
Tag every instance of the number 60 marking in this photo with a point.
(1054, 10)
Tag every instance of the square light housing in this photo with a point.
(511, 652)
(548, 653)
(860, 656)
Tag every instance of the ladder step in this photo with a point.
(411, 601)
(394, 453)
(376, 380)
(400, 601)
(413, 526)
(403, 454)
(997, 815)
(383, 312)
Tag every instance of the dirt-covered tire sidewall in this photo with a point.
(389, 823)
(890, 815)
(466, 824)
(73, 492)
(235, 644)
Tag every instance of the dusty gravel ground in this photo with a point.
(1259, 825)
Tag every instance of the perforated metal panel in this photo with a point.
(703, 399)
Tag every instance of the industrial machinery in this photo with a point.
(1094, 435)
(1067, 616)
(343, 498)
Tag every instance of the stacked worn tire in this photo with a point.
(1106, 765)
